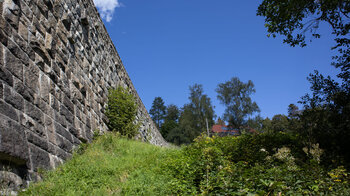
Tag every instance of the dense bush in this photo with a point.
(265, 164)
(121, 112)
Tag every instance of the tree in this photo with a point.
(280, 123)
(200, 107)
(121, 112)
(171, 120)
(297, 19)
(192, 120)
(220, 122)
(158, 111)
(326, 114)
(178, 136)
(255, 123)
(293, 111)
(235, 95)
(172, 113)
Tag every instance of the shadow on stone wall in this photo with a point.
(57, 63)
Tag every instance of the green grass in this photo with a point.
(265, 164)
(109, 166)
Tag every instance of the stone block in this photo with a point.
(67, 114)
(31, 77)
(39, 158)
(52, 148)
(17, 51)
(54, 103)
(63, 132)
(13, 98)
(1, 55)
(13, 64)
(76, 141)
(6, 76)
(13, 143)
(55, 161)
(37, 140)
(45, 87)
(51, 133)
(60, 119)
(11, 13)
(8, 110)
(69, 105)
(73, 131)
(26, 92)
(1, 91)
(26, 11)
(64, 144)
(39, 129)
(34, 112)
(53, 76)
(62, 154)
(11, 181)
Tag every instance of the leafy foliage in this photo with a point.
(326, 114)
(266, 164)
(295, 18)
(326, 117)
(193, 118)
(171, 120)
(235, 95)
(158, 111)
(121, 112)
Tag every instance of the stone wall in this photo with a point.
(57, 63)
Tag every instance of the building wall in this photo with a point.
(57, 63)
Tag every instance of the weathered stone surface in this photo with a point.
(67, 114)
(57, 63)
(31, 77)
(1, 55)
(1, 91)
(26, 92)
(10, 180)
(6, 76)
(12, 140)
(63, 132)
(39, 158)
(33, 112)
(45, 87)
(37, 140)
(8, 111)
(14, 98)
(13, 64)
(18, 52)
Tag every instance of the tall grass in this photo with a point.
(109, 166)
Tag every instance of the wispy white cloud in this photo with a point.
(106, 8)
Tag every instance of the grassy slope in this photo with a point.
(109, 166)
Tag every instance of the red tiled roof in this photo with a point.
(222, 129)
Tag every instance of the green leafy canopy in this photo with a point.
(121, 112)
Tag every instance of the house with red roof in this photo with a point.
(223, 130)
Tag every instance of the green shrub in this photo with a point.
(265, 164)
(121, 112)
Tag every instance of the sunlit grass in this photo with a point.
(109, 166)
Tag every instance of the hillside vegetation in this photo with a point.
(111, 165)
(265, 164)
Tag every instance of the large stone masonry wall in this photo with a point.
(57, 63)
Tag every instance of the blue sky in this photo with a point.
(168, 45)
